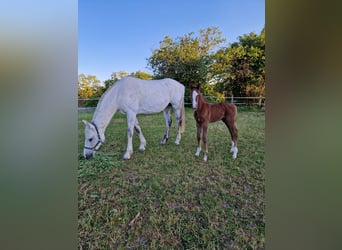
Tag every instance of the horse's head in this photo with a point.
(194, 90)
(92, 140)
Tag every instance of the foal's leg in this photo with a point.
(178, 113)
(205, 144)
(168, 122)
(131, 118)
(234, 135)
(199, 132)
(141, 136)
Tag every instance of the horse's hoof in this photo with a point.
(141, 149)
(127, 157)
(177, 143)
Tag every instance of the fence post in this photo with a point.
(260, 101)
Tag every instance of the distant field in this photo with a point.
(166, 197)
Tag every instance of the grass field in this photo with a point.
(165, 197)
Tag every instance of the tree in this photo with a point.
(118, 75)
(240, 68)
(88, 86)
(142, 75)
(186, 59)
(115, 76)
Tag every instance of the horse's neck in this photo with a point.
(103, 117)
(104, 112)
(202, 102)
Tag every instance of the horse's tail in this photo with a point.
(182, 128)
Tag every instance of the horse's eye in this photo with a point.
(90, 139)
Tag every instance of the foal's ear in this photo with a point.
(193, 86)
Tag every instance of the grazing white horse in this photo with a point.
(132, 96)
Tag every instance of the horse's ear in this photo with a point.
(85, 123)
(198, 86)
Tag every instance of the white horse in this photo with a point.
(132, 96)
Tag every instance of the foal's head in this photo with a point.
(195, 93)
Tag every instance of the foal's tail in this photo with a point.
(182, 128)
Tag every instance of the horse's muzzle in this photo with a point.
(88, 156)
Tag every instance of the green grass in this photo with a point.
(165, 197)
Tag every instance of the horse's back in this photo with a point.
(218, 111)
(149, 96)
(133, 84)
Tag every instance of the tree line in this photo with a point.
(203, 59)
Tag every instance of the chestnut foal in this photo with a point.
(205, 113)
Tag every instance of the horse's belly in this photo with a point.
(152, 107)
(214, 117)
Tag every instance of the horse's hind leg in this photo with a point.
(178, 113)
(141, 136)
(168, 122)
(234, 135)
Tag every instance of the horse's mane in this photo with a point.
(203, 99)
(104, 95)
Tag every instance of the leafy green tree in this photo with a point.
(115, 76)
(118, 75)
(186, 59)
(88, 86)
(240, 68)
(142, 75)
(108, 83)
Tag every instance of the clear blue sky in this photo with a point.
(120, 35)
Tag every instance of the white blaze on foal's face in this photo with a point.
(194, 101)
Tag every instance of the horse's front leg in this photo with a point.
(141, 136)
(131, 118)
(205, 137)
(199, 131)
